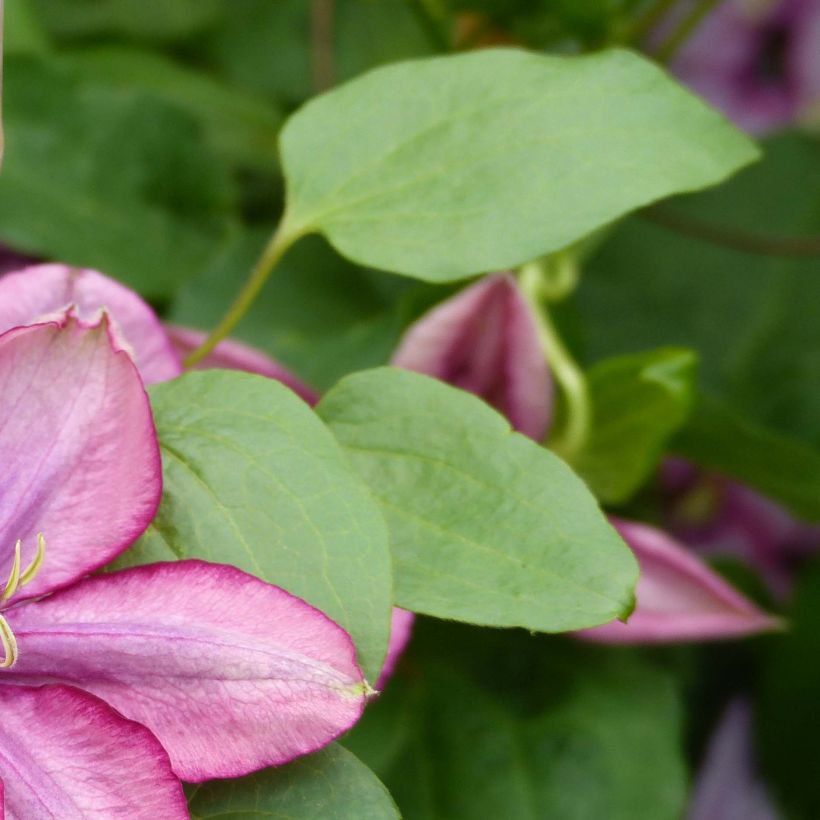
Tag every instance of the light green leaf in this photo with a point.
(638, 402)
(252, 478)
(107, 178)
(329, 785)
(237, 123)
(779, 466)
(486, 526)
(449, 166)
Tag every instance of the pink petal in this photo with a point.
(78, 447)
(230, 673)
(679, 597)
(727, 786)
(32, 293)
(485, 340)
(401, 628)
(231, 355)
(66, 755)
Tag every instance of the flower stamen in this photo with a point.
(14, 576)
(9, 645)
(33, 568)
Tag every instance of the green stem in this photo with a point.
(672, 44)
(571, 439)
(273, 252)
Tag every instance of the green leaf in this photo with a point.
(237, 123)
(445, 167)
(107, 178)
(252, 478)
(332, 785)
(638, 402)
(486, 526)
(781, 467)
(580, 735)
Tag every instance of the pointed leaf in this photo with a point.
(450, 166)
(486, 526)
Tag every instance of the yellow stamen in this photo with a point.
(34, 567)
(14, 576)
(9, 645)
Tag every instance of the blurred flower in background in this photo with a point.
(717, 516)
(758, 61)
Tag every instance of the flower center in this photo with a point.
(16, 580)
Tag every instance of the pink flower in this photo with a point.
(758, 61)
(678, 597)
(157, 349)
(113, 686)
(717, 516)
(485, 340)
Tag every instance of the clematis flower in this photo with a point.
(679, 598)
(758, 61)
(717, 516)
(39, 290)
(42, 290)
(485, 340)
(112, 687)
(727, 786)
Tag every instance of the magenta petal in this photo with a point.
(401, 628)
(231, 355)
(78, 447)
(32, 293)
(485, 340)
(727, 786)
(678, 597)
(230, 673)
(68, 756)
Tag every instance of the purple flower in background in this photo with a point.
(679, 598)
(758, 61)
(485, 340)
(727, 786)
(113, 686)
(717, 516)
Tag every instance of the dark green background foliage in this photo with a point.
(142, 139)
